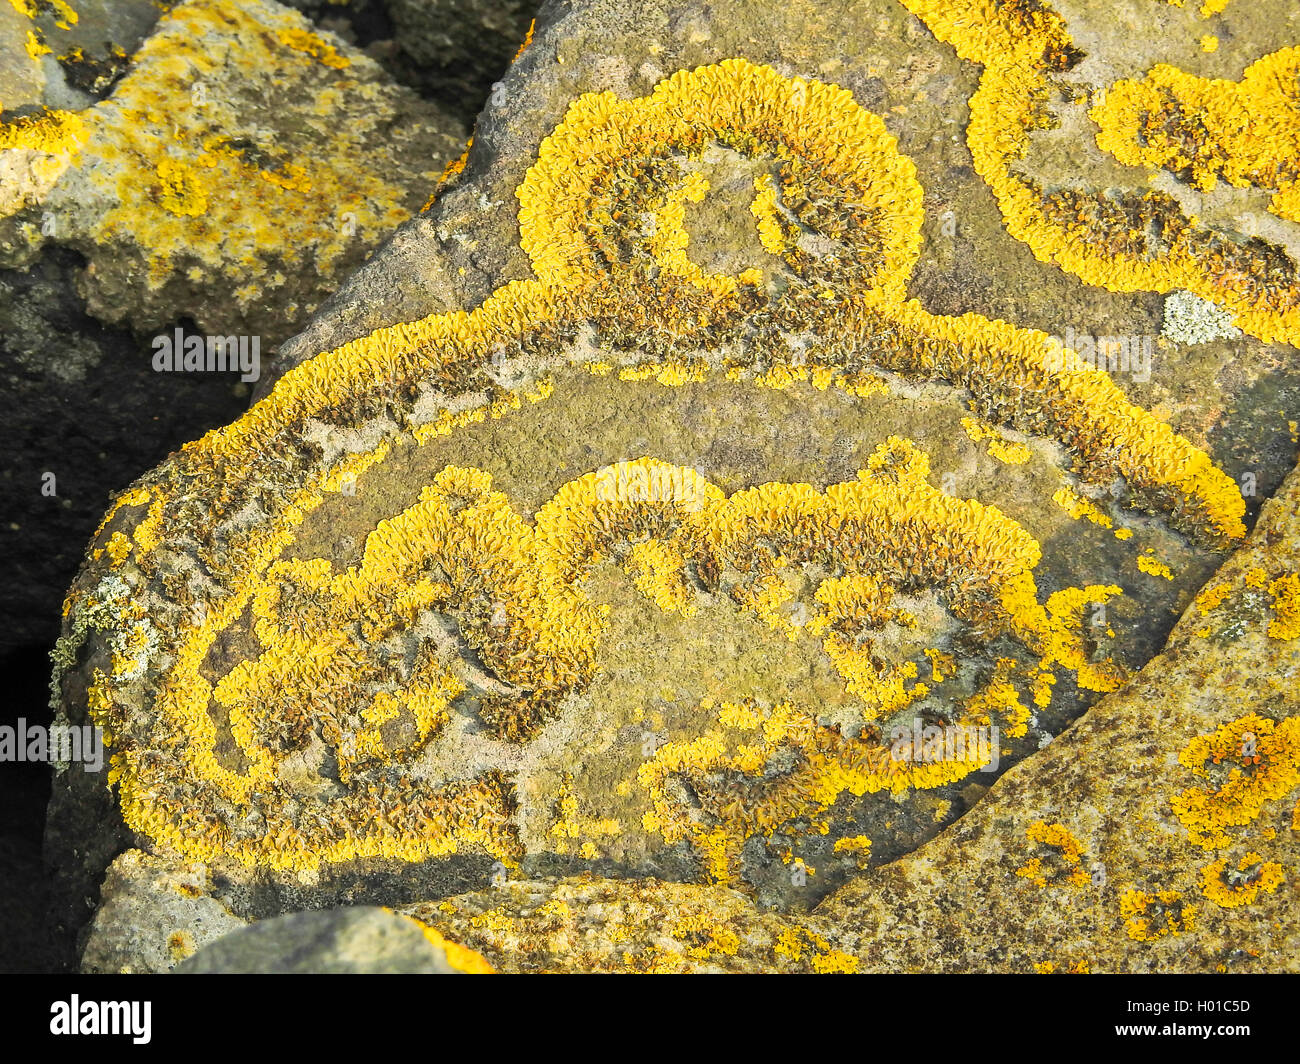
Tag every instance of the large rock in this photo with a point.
(1159, 833)
(453, 51)
(723, 521)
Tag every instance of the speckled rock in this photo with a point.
(235, 194)
(153, 915)
(267, 212)
(452, 51)
(719, 493)
(357, 941)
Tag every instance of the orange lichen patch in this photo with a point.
(1152, 916)
(1264, 756)
(181, 190)
(48, 132)
(1021, 44)
(157, 167)
(857, 845)
(118, 547)
(1285, 591)
(1244, 132)
(549, 926)
(1079, 507)
(462, 958)
(941, 664)
(309, 43)
(709, 936)
(450, 172)
(796, 943)
(1153, 566)
(999, 446)
(835, 962)
(776, 237)
(528, 39)
(47, 143)
(570, 825)
(1211, 598)
(1062, 865)
(851, 605)
(1241, 885)
(747, 803)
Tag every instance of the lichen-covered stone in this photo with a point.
(238, 170)
(698, 536)
(1159, 833)
(96, 258)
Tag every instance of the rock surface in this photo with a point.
(736, 411)
(452, 51)
(153, 915)
(220, 181)
(356, 941)
(1167, 883)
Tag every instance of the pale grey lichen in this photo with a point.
(97, 611)
(1189, 319)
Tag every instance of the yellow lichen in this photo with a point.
(1020, 46)
(1063, 866)
(1264, 756)
(1243, 132)
(1242, 886)
(1078, 507)
(1285, 591)
(462, 958)
(1153, 566)
(1152, 916)
(1210, 598)
(999, 446)
(180, 944)
(160, 167)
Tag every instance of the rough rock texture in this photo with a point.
(714, 425)
(452, 51)
(357, 941)
(153, 915)
(210, 192)
(220, 181)
(996, 892)
(189, 191)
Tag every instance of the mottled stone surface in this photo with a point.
(957, 904)
(96, 259)
(453, 51)
(356, 941)
(377, 681)
(220, 179)
(153, 915)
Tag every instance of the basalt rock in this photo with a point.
(738, 522)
